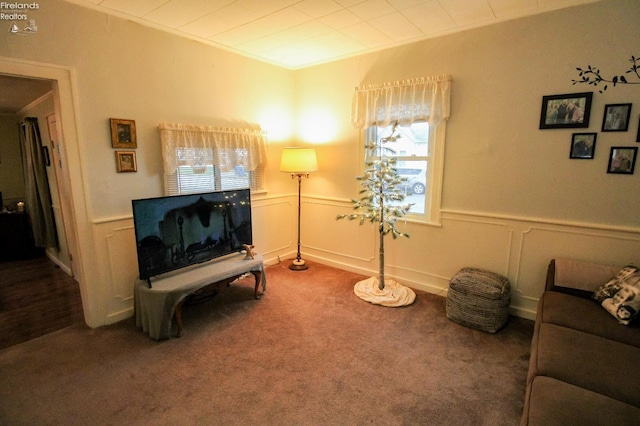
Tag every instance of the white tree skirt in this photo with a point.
(394, 294)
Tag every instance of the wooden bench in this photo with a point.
(158, 304)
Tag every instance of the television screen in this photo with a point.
(177, 231)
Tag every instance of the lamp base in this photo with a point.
(298, 265)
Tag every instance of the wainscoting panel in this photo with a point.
(541, 243)
(123, 269)
(324, 235)
(117, 267)
(426, 260)
(273, 228)
(519, 248)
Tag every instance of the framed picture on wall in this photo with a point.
(638, 135)
(123, 133)
(126, 161)
(568, 111)
(622, 160)
(583, 146)
(616, 117)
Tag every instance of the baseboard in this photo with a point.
(367, 272)
(513, 310)
(119, 316)
(57, 261)
(522, 313)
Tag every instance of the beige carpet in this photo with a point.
(309, 352)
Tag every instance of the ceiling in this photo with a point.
(297, 33)
(300, 33)
(16, 92)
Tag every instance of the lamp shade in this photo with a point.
(298, 160)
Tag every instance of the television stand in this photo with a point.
(156, 307)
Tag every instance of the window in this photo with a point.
(190, 179)
(205, 176)
(412, 153)
(421, 108)
(202, 159)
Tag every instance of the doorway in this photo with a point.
(62, 125)
(30, 102)
(38, 293)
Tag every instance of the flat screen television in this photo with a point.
(178, 231)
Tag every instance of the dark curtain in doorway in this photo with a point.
(38, 200)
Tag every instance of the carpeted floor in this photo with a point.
(308, 353)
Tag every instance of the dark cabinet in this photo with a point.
(16, 238)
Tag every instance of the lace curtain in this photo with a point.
(421, 99)
(225, 148)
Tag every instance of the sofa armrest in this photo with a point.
(577, 278)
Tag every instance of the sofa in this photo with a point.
(585, 365)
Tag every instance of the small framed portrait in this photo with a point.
(126, 161)
(583, 146)
(568, 111)
(622, 160)
(616, 117)
(123, 133)
(638, 135)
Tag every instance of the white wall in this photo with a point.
(512, 198)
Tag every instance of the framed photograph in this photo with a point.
(622, 160)
(123, 133)
(616, 117)
(583, 145)
(638, 135)
(568, 111)
(126, 161)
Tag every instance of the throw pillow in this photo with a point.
(620, 296)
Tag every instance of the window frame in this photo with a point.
(434, 174)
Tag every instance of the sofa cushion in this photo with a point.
(585, 360)
(584, 315)
(552, 402)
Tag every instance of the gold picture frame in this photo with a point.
(123, 133)
(126, 161)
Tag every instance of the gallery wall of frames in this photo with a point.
(573, 111)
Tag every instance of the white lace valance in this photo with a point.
(225, 148)
(421, 99)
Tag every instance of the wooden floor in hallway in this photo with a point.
(36, 298)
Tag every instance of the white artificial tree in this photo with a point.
(382, 195)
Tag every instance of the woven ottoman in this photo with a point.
(479, 299)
